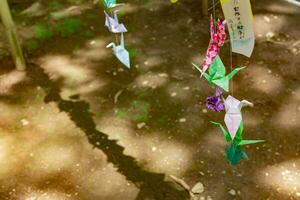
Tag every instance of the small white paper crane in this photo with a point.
(233, 116)
(113, 24)
(120, 52)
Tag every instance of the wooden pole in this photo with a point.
(11, 33)
(205, 7)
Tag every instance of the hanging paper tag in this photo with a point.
(239, 18)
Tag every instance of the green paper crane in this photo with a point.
(217, 74)
(233, 152)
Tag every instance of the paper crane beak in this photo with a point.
(246, 103)
(110, 45)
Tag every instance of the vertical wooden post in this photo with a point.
(11, 33)
(205, 7)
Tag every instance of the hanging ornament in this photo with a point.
(113, 24)
(120, 52)
(239, 18)
(215, 103)
(233, 149)
(216, 42)
(217, 74)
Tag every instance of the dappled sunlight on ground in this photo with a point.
(9, 80)
(154, 114)
(284, 8)
(106, 183)
(252, 119)
(214, 142)
(151, 149)
(40, 148)
(265, 24)
(31, 194)
(264, 80)
(164, 154)
(54, 156)
(179, 92)
(95, 50)
(8, 156)
(150, 80)
(62, 67)
(73, 72)
(283, 177)
(288, 115)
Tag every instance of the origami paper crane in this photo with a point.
(216, 74)
(110, 3)
(239, 135)
(233, 116)
(120, 52)
(215, 103)
(216, 42)
(113, 24)
(234, 152)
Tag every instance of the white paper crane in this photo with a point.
(120, 52)
(233, 116)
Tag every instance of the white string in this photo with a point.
(116, 36)
(214, 14)
(231, 70)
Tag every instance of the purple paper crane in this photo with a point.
(113, 23)
(215, 103)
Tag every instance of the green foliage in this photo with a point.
(138, 111)
(54, 5)
(42, 31)
(68, 27)
(163, 120)
(88, 34)
(75, 1)
(32, 44)
(147, 4)
(132, 52)
(121, 113)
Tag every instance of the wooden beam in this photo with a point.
(11, 33)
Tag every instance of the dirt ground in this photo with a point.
(77, 125)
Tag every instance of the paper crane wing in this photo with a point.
(223, 82)
(225, 132)
(248, 142)
(217, 68)
(113, 23)
(123, 56)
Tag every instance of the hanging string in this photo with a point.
(116, 35)
(231, 81)
(214, 14)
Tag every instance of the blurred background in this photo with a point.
(151, 121)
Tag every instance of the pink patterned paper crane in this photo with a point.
(216, 42)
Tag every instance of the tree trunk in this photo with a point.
(12, 35)
(205, 7)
